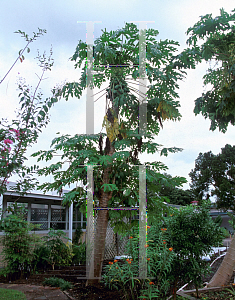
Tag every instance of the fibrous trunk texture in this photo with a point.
(225, 271)
(101, 227)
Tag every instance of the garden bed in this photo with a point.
(216, 293)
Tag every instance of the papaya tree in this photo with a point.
(114, 154)
(213, 40)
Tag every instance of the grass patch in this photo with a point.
(57, 282)
(6, 294)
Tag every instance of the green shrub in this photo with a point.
(79, 252)
(57, 282)
(77, 236)
(175, 246)
(58, 253)
(192, 233)
(18, 244)
(41, 257)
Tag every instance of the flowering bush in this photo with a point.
(32, 116)
(125, 274)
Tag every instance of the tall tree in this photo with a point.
(174, 194)
(213, 40)
(114, 154)
(214, 175)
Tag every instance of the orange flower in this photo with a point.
(116, 267)
(148, 227)
(110, 263)
(163, 229)
(131, 237)
(131, 259)
(127, 259)
(115, 260)
(171, 249)
(145, 246)
(129, 262)
(164, 243)
(148, 258)
(151, 282)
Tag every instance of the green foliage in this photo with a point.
(41, 257)
(174, 194)
(79, 248)
(58, 253)
(77, 235)
(28, 40)
(215, 175)
(120, 120)
(124, 274)
(6, 294)
(218, 36)
(79, 253)
(18, 244)
(57, 282)
(218, 220)
(114, 154)
(232, 220)
(192, 233)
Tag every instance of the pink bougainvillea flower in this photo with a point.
(16, 131)
(7, 141)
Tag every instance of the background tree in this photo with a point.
(218, 49)
(214, 175)
(213, 40)
(173, 194)
(114, 154)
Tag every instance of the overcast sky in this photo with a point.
(60, 18)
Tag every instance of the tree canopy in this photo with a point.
(214, 175)
(173, 194)
(213, 40)
(118, 48)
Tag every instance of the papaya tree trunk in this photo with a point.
(225, 271)
(101, 227)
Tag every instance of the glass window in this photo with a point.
(58, 217)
